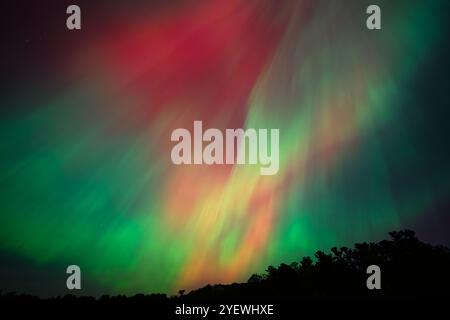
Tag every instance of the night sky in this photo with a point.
(86, 117)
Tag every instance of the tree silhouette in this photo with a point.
(410, 269)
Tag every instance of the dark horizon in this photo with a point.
(401, 260)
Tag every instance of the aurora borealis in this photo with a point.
(86, 176)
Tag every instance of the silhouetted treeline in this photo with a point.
(409, 269)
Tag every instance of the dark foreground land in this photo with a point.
(412, 272)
